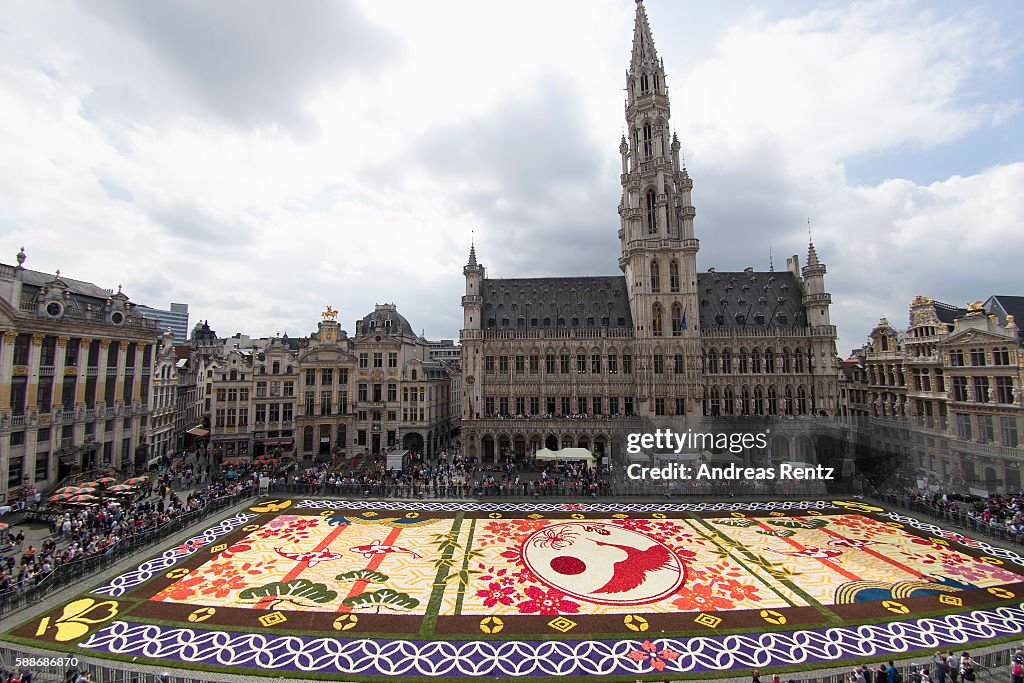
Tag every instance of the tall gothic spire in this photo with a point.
(812, 254)
(643, 43)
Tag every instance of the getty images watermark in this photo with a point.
(666, 441)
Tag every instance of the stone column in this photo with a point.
(32, 389)
(6, 368)
(122, 359)
(57, 394)
(84, 347)
(101, 373)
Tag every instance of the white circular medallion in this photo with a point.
(603, 563)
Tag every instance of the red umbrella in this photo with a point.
(82, 498)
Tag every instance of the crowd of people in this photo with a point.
(997, 512)
(449, 475)
(81, 532)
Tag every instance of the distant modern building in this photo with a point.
(176, 318)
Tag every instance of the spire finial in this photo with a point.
(771, 263)
(21, 257)
(812, 254)
(472, 248)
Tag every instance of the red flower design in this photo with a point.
(739, 591)
(699, 597)
(550, 602)
(650, 654)
(221, 588)
(182, 590)
(495, 594)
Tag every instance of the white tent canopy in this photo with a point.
(566, 454)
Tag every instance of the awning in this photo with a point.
(69, 459)
(279, 441)
(565, 454)
(199, 432)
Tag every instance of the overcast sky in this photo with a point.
(261, 160)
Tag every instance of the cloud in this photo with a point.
(250, 65)
(261, 162)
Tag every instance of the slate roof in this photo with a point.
(35, 279)
(1008, 305)
(750, 299)
(593, 302)
(384, 320)
(947, 313)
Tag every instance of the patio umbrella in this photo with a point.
(62, 497)
(84, 489)
(69, 489)
(87, 483)
(136, 481)
(4, 526)
(121, 488)
(82, 498)
(106, 481)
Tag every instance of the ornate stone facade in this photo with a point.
(582, 361)
(943, 399)
(76, 367)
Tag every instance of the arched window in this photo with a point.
(648, 141)
(657, 82)
(726, 362)
(773, 402)
(716, 403)
(652, 216)
(712, 361)
(277, 368)
(744, 368)
(758, 401)
(801, 400)
(755, 362)
(655, 277)
(677, 319)
(673, 276)
(799, 358)
(745, 401)
(233, 375)
(769, 360)
(644, 84)
(656, 320)
(789, 400)
(728, 403)
(787, 361)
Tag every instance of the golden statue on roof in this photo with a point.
(330, 313)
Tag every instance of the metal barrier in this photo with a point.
(956, 518)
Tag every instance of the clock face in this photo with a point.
(470, 379)
(54, 309)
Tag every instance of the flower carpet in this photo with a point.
(363, 590)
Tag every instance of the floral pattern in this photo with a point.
(651, 656)
(551, 601)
